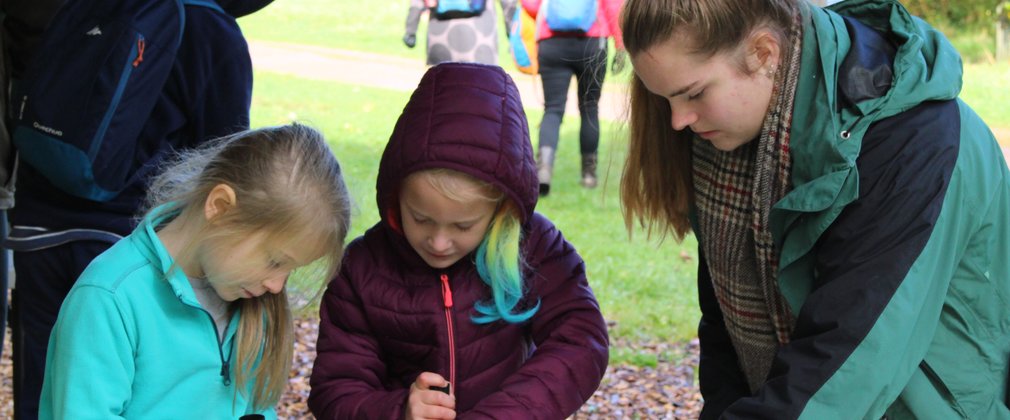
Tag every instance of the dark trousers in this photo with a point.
(44, 278)
(559, 59)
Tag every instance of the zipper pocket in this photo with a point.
(132, 61)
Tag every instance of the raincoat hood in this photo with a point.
(466, 117)
(830, 115)
(926, 66)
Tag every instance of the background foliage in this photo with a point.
(969, 14)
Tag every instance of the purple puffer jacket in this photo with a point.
(385, 317)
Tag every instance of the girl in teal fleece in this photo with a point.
(187, 317)
(850, 209)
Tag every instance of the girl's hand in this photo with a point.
(425, 403)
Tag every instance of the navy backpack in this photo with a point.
(90, 89)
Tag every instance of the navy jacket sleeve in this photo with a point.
(221, 78)
(208, 93)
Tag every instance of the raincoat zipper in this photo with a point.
(447, 303)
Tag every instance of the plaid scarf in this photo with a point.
(734, 194)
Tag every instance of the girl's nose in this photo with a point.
(440, 242)
(682, 118)
(276, 284)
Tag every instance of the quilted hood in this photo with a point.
(465, 117)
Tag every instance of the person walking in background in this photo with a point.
(850, 209)
(187, 317)
(461, 286)
(55, 234)
(459, 36)
(564, 51)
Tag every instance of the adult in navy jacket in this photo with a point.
(389, 316)
(55, 235)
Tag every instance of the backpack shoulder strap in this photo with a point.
(210, 4)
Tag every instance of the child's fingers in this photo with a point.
(426, 411)
(429, 379)
(424, 391)
(427, 404)
(437, 398)
(420, 396)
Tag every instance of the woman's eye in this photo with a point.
(696, 95)
(274, 264)
(463, 228)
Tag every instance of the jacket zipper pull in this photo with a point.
(446, 291)
(140, 52)
(447, 301)
(225, 376)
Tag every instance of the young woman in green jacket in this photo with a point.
(850, 210)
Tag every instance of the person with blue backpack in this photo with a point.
(458, 30)
(178, 76)
(572, 38)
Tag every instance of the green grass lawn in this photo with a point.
(375, 26)
(986, 88)
(647, 289)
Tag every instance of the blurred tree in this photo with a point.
(1003, 31)
(970, 13)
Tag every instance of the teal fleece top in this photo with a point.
(130, 344)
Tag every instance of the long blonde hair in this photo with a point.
(656, 185)
(287, 183)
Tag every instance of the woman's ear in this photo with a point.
(763, 52)
(220, 200)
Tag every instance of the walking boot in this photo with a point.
(589, 170)
(545, 168)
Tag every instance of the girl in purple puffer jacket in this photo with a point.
(462, 286)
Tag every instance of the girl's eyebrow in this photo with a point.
(682, 90)
(472, 221)
(281, 257)
(417, 214)
(414, 211)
